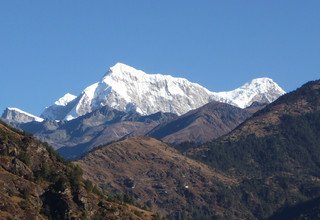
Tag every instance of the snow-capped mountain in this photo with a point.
(128, 89)
(18, 116)
(262, 90)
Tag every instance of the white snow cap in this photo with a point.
(260, 89)
(128, 89)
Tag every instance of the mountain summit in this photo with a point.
(125, 88)
(128, 89)
(262, 90)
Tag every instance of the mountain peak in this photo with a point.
(121, 66)
(126, 88)
(123, 70)
(263, 90)
(262, 79)
(64, 100)
(264, 82)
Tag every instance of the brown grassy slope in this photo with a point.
(159, 177)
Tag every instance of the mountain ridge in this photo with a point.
(202, 124)
(128, 89)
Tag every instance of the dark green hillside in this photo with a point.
(295, 147)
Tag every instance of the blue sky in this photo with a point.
(48, 48)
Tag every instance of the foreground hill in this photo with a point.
(201, 125)
(37, 184)
(161, 178)
(276, 156)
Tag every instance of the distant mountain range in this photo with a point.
(127, 89)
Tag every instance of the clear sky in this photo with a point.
(48, 48)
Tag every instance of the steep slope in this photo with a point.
(201, 125)
(36, 184)
(128, 89)
(157, 176)
(276, 153)
(99, 127)
(18, 116)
